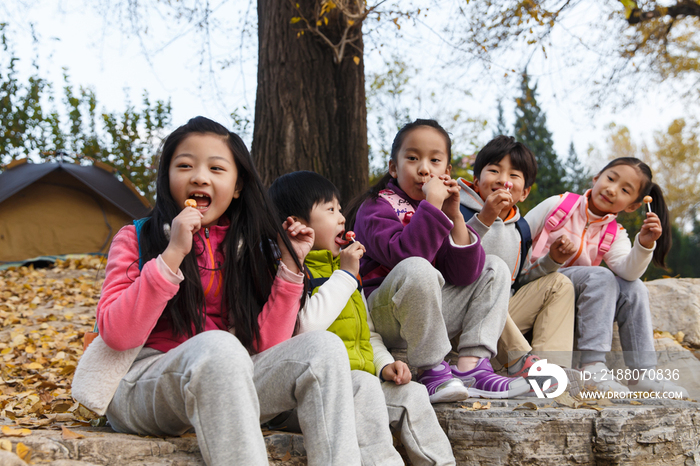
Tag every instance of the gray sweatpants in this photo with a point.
(406, 408)
(603, 298)
(415, 309)
(212, 384)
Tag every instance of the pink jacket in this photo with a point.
(582, 227)
(130, 308)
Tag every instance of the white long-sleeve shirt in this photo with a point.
(324, 307)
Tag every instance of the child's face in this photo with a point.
(494, 177)
(616, 190)
(423, 152)
(328, 225)
(203, 169)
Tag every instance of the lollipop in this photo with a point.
(647, 200)
(350, 235)
(190, 203)
(508, 185)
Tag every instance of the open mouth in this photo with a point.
(203, 200)
(340, 239)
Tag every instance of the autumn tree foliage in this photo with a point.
(619, 47)
(37, 123)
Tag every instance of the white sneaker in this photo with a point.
(599, 377)
(647, 385)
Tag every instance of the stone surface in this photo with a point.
(658, 433)
(508, 433)
(675, 306)
(102, 446)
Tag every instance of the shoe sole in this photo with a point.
(449, 394)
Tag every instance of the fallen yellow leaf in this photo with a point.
(5, 445)
(67, 434)
(527, 405)
(8, 431)
(24, 452)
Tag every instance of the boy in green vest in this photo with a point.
(382, 386)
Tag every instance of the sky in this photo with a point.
(97, 54)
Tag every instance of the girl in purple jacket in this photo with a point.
(425, 273)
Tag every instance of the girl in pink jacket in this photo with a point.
(613, 294)
(209, 288)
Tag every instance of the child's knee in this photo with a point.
(323, 348)
(497, 267)
(601, 278)
(221, 351)
(417, 271)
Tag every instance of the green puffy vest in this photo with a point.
(351, 325)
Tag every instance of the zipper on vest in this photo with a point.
(358, 325)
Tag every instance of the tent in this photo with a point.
(62, 208)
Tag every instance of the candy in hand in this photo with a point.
(190, 203)
(647, 200)
(508, 185)
(350, 235)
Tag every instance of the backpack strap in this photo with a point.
(139, 224)
(556, 220)
(401, 206)
(606, 240)
(525, 243)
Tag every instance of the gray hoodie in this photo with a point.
(502, 239)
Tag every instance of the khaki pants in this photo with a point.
(545, 306)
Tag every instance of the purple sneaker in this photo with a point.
(484, 382)
(442, 385)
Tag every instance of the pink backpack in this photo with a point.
(558, 218)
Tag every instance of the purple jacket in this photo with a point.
(388, 242)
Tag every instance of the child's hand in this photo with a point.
(495, 203)
(651, 230)
(397, 372)
(451, 204)
(436, 191)
(302, 239)
(184, 226)
(561, 249)
(350, 258)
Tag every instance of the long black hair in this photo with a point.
(249, 248)
(658, 204)
(373, 192)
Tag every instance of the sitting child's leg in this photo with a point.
(478, 314)
(637, 337)
(212, 372)
(545, 306)
(310, 372)
(597, 293)
(411, 413)
(512, 345)
(406, 311)
(372, 421)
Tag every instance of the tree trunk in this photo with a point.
(310, 113)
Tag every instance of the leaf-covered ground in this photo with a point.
(44, 314)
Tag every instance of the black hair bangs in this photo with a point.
(296, 194)
(521, 157)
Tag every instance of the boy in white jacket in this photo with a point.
(384, 392)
